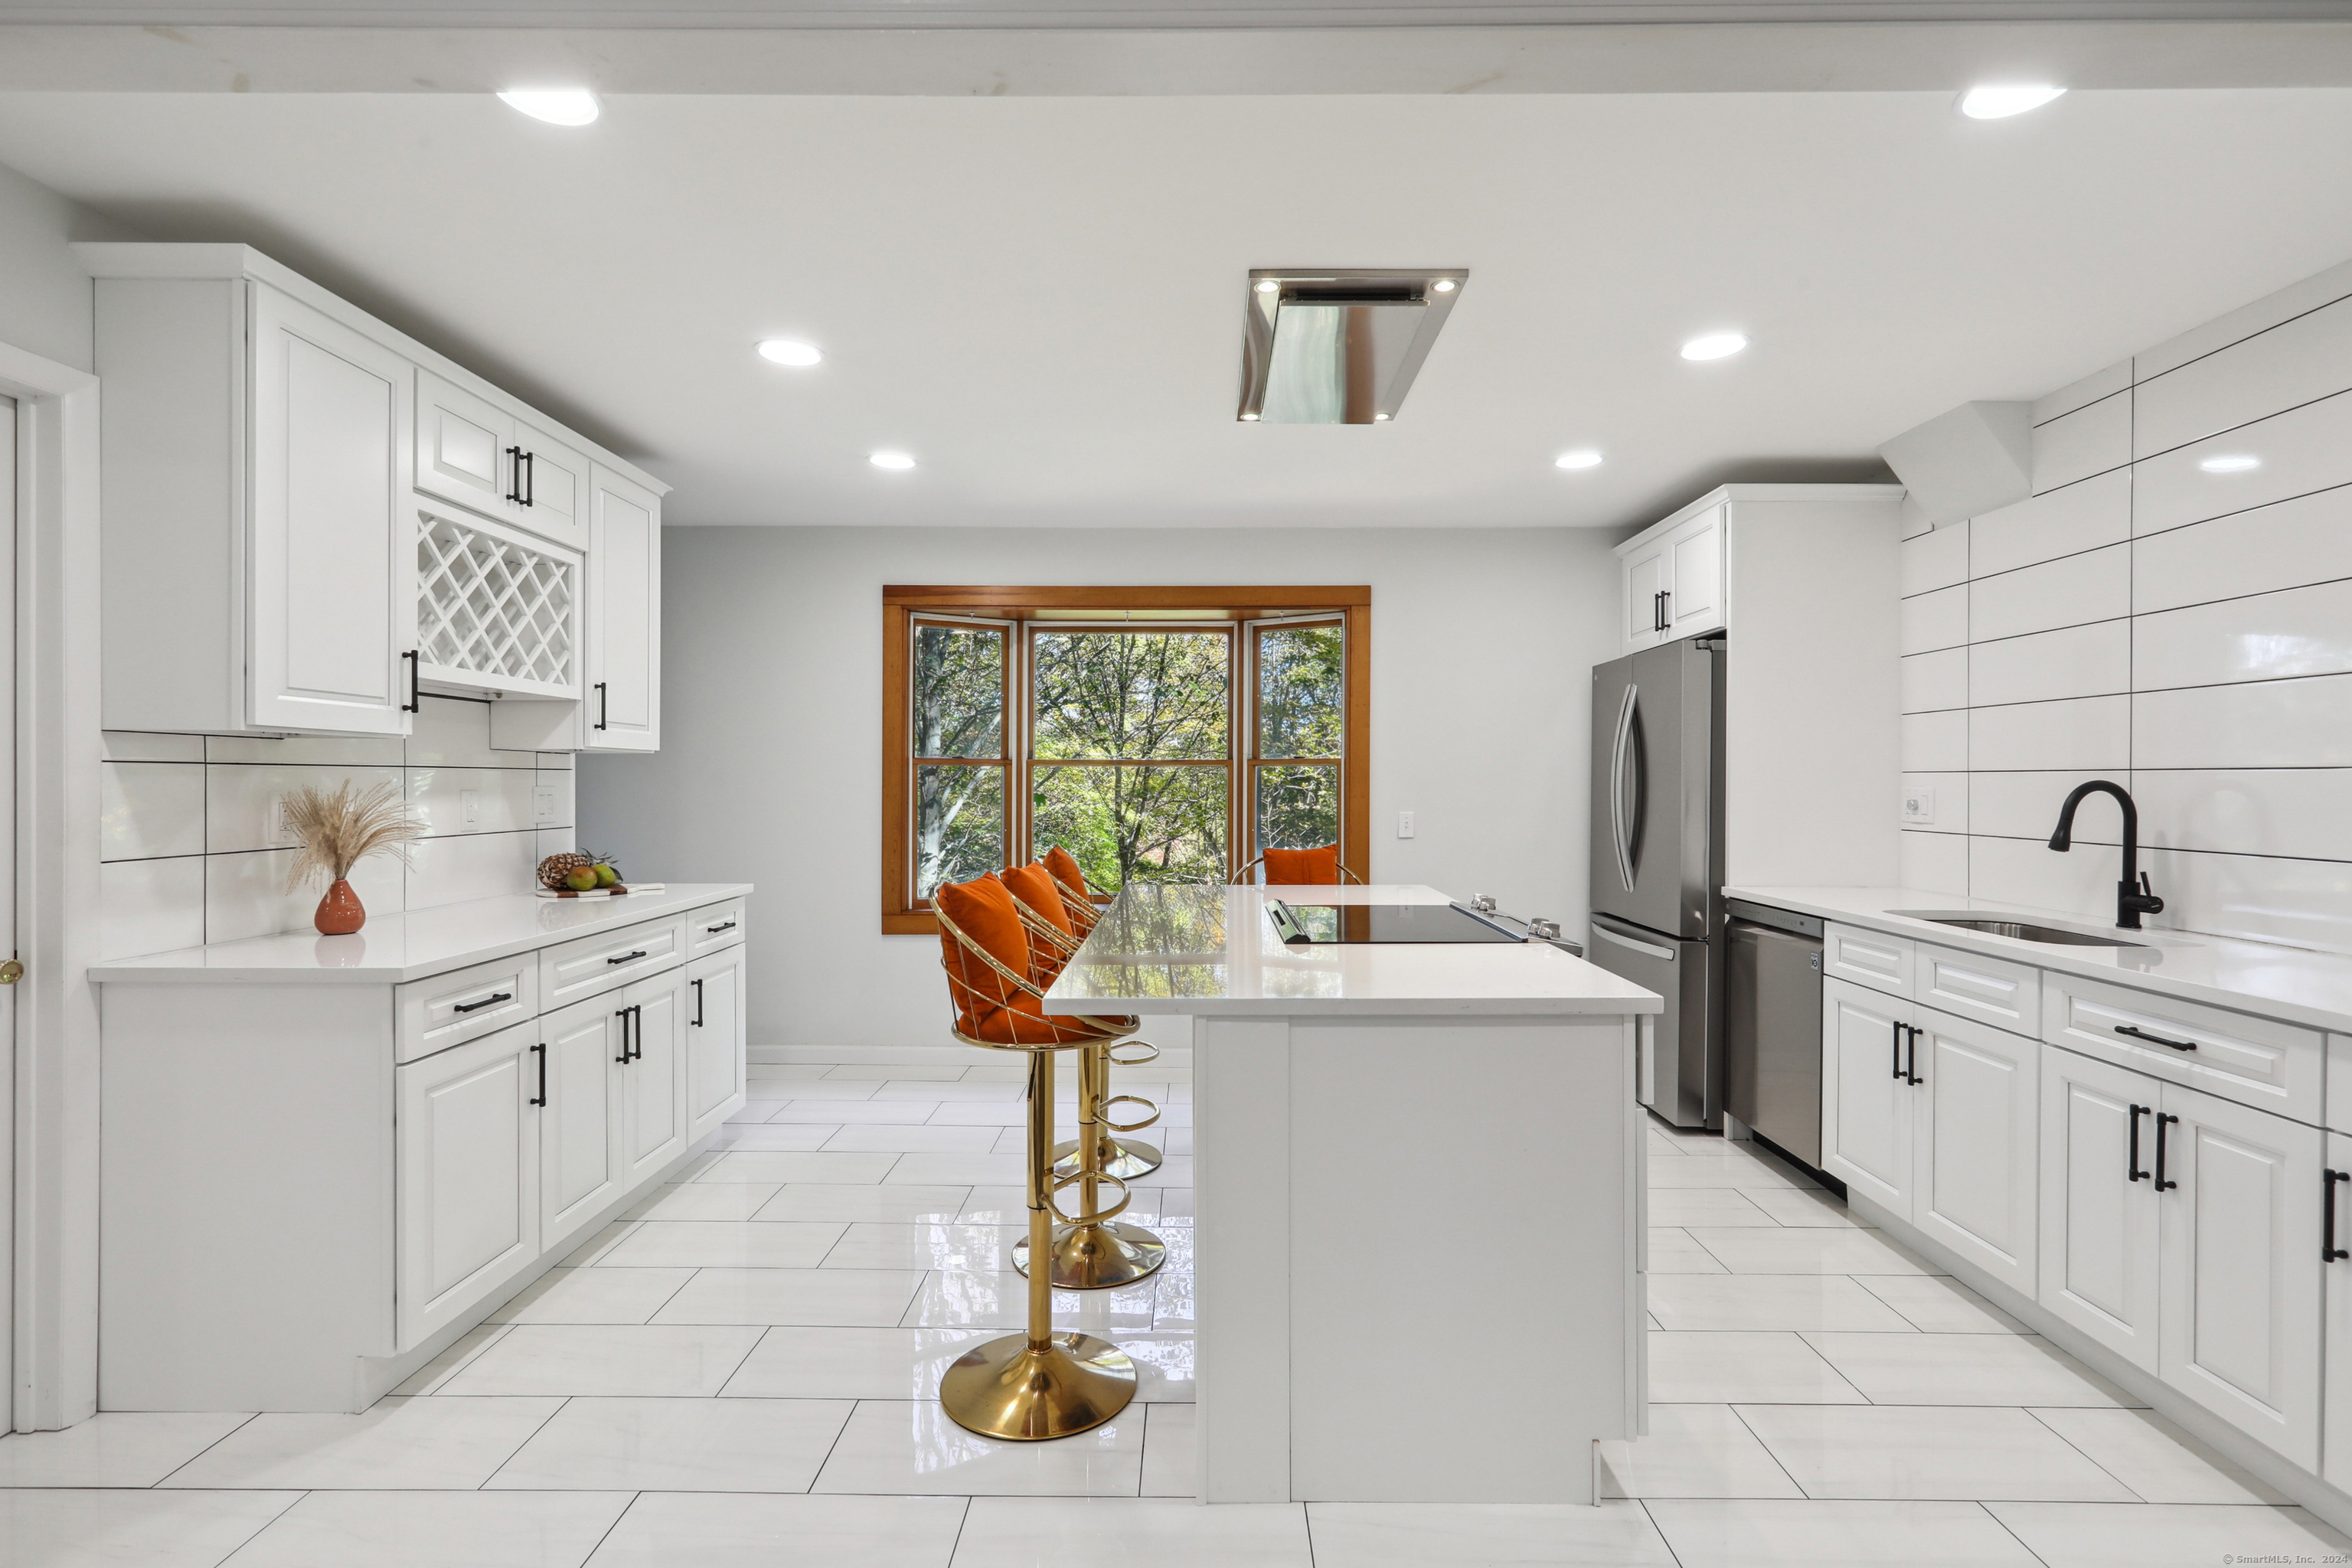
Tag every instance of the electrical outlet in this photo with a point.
(470, 807)
(281, 827)
(543, 803)
(1920, 805)
(1404, 825)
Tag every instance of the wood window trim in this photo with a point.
(900, 601)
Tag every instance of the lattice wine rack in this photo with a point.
(495, 610)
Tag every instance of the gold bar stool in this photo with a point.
(1037, 1385)
(1117, 1156)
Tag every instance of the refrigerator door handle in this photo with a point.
(1647, 949)
(1617, 753)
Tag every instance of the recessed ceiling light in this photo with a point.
(892, 460)
(2232, 463)
(1587, 458)
(1267, 285)
(789, 351)
(1715, 345)
(1999, 102)
(556, 105)
(1444, 285)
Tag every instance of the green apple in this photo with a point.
(606, 876)
(582, 879)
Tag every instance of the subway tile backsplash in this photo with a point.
(2182, 629)
(193, 851)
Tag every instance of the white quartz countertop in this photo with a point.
(395, 948)
(1195, 949)
(2291, 983)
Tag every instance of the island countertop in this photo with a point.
(394, 949)
(1184, 949)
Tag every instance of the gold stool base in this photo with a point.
(1005, 1389)
(1122, 1157)
(1097, 1257)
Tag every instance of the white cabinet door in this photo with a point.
(2099, 1208)
(2336, 1438)
(2241, 1268)
(332, 570)
(1644, 576)
(1695, 575)
(714, 1039)
(1976, 1149)
(624, 615)
(553, 487)
(1867, 1099)
(467, 1153)
(580, 1123)
(464, 446)
(653, 1082)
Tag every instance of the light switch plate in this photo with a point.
(470, 807)
(281, 830)
(1920, 805)
(543, 803)
(1404, 825)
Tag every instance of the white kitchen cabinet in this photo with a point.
(2099, 1209)
(1693, 585)
(2238, 1320)
(498, 610)
(652, 1016)
(2336, 1394)
(1976, 1152)
(624, 615)
(468, 1190)
(580, 1121)
(1867, 1099)
(479, 453)
(1644, 575)
(715, 1041)
(554, 486)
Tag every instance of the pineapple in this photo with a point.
(555, 868)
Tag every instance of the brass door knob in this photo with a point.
(11, 972)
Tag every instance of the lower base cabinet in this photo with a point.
(579, 1119)
(2099, 1208)
(468, 1190)
(715, 1041)
(2336, 1394)
(1866, 1098)
(652, 1019)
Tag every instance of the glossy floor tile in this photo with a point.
(2168, 1535)
(1673, 1251)
(1939, 1304)
(119, 1529)
(1138, 1532)
(650, 1359)
(2157, 1460)
(114, 1448)
(594, 1296)
(1693, 1450)
(720, 1530)
(1769, 1534)
(1771, 1301)
(678, 1445)
(1964, 1369)
(1927, 1453)
(396, 1444)
(903, 1446)
(846, 1298)
(896, 1203)
(1804, 1250)
(706, 1201)
(1171, 1454)
(710, 1244)
(442, 1529)
(793, 1362)
(1706, 1205)
(1735, 1368)
(883, 1244)
(1484, 1536)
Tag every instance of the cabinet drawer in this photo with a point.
(2271, 1066)
(721, 925)
(1868, 958)
(594, 964)
(465, 1005)
(1993, 989)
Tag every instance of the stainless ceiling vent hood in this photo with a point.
(1341, 345)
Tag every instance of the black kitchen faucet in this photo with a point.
(2134, 897)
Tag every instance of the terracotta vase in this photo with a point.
(340, 911)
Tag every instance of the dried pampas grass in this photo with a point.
(338, 831)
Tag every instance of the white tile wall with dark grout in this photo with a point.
(191, 850)
(2172, 609)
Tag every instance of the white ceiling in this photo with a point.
(1042, 297)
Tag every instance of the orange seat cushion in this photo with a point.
(1064, 866)
(982, 910)
(1303, 868)
(1033, 886)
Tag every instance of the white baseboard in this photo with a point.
(911, 1056)
(2237, 1447)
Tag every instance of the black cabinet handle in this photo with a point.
(415, 703)
(514, 475)
(493, 999)
(2329, 1251)
(603, 704)
(2131, 1163)
(1665, 610)
(541, 1052)
(530, 477)
(2136, 1032)
(714, 931)
(1911, 1073)
(2162, 1122)
(697, 1003)
(637, 1033)
(1897, 1036)
(623, 1015)
(627, 957)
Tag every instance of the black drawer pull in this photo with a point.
(2131, 1163)
(1898, 1049)
(492, 1000)
(697, 1020)
(2136, 1032)
(2162, 1122)
(627, 957)
(722, 925)
(1911, 1071)
(2329, 1251)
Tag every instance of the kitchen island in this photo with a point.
(1419, 1194)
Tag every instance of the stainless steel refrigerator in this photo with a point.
(1657, 857)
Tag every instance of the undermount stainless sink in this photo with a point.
(2020, 930)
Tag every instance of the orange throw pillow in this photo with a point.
(1303, 868)
(1064, 866)
(982, 910)
(1033, 886)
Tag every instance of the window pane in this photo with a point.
(959, 692)
(1298, 701)
(1132, 823)
(959, 824)
(1298, 806)
(1131, 694)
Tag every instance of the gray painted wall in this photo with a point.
(46, 303)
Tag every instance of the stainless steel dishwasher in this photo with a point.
(1772, 1034)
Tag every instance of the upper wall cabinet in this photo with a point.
(1670, 578)
(308, 518)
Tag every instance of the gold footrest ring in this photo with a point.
(1120, 1061)
(1098, 1256)
(1127, 1099)
(1101, 1215)
(1121, 1157)
(1022, 1392)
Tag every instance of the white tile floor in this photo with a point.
(742, 1372)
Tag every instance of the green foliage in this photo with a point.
(1299, 689)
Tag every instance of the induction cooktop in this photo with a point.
(1308, 925)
